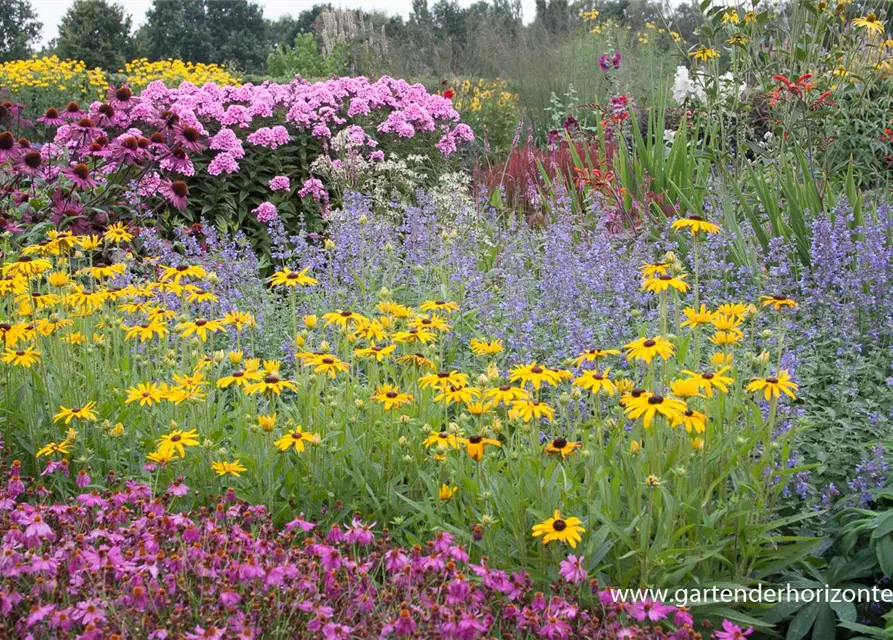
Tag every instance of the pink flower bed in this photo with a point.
(125, 564)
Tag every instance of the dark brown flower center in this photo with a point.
(559, 525)
(328, 361)
(191, 134)
(656, 399)
(123, 94)
(391, 394)
(51, 114)
(33, 159)
(179, 188)
(72, 107)
(536, 370)
(475, 439)
(106, 110)
(772, 380)
(559, 443)
(7, 141)
(81, 171)
(649, 343)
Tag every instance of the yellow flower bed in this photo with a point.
(141, 72)
(52, 73)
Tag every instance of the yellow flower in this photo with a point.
(199, 327)
(527, 410)
(376, 352)
(369, 330)
(446, 492)
(27, 266)
(116, 233)
(705, 54)
(443, 380)
(267, 422)
(652, 269)
(296, 439)
(442, 439)
(62, 448)
(439, 305)
(458, 394)
(224, 468)
(691, 420)
(84, 412)
(342, 318)
(535, 374)
(592, 355)
(774, 386)
(730, 17)
(288, 278)
(595, 382)
(722, 338)
(661, 283)
(688, 388)
(562, 446)
(706, 380)
(239, 319)
(430, 323)
(695, 224)
(241, 378)
(390, 397)
(175, 274)
(560, 528)
(21, 357)
(414, 335)
(649, 405)
(486, 348)
(310, 321)
(159, 457)
(721, 359)
(870, 23)
(176, 442)
(475, 445)
(778, 302)
(327, 365)
(146, 393)
(271, 383)
(646, 348)
(697, 317)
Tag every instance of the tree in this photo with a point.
(285, 29)
(177, 29)
(97, 33)
(239, 33)
(19, 29)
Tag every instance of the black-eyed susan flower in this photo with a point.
(659, 284)
(241, 378)
(176, 442)
(288, 278)
(696, 317)
(596, 382)
(687, 388)
(695, 224)
(724, 338)
(13, 283)
(443, 379)
(394, 310)
(654, 269)
(378, 353)
(55, 448)
(478, 408)
(200, 327)
(21, 357)
(774, 386)
(295, 439)
(594, 355)
(460, 394)
(707, 380)
(732, 309)
(343, 317)
(83, 412)
(778, 302)
(239, 319)
(704, 54)
(506, 394)
(446, 492)
(534, 374)
(649, 405)
(328, 365)
(369, 330)
(117, 233)
(439, 305)
(163, 458)
(430, 323)
(560, 528)
(27, 266)
(310, 321)
(224, 468)
(870, 23)
(697, 444)
(647, 348)
(418, 359)
(390, 397)
(271, 383)
(562, 446)
(146, 393)
(528, 410)
(481, 347)
(267, 422)
(691, 419)
(414, 335)
(443, 439)
(175, 274)
(475, 445)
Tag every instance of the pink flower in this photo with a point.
(279, 183)
(731, 631)
(572, 569)
(223, 163)
(266, 212)
(314, 187)
(650, 610)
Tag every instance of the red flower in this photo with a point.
(449, 94)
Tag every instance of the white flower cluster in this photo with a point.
(686, 87)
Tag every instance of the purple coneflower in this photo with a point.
(175, 192)
(79, 174)
(121, 97)
(72, 111)
(51, 118)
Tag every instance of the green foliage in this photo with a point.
(19, 29)
(304, 59)
(97, 32)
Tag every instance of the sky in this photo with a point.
(50, 12)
